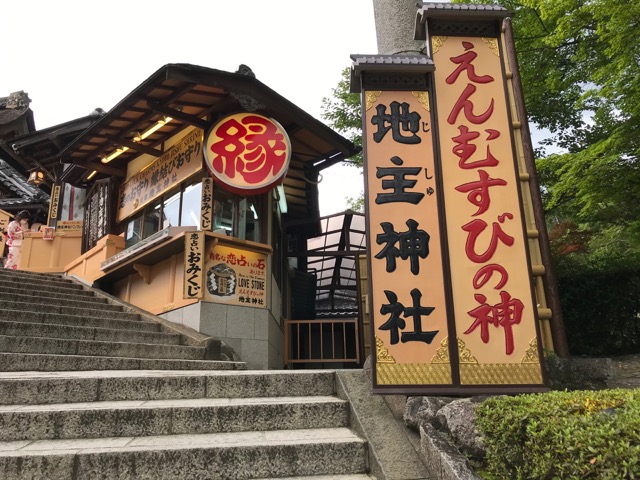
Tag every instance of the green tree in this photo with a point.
(580, 68)
(343, 113)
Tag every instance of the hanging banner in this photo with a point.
(206, 206)
(179, 163)
(193, 264)
(235, 276)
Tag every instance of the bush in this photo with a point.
(601, 311)
(562, 435)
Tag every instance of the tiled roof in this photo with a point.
(459, 19)
(462, 7)
(23, 193)
(406, 64)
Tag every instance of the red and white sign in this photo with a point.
(247, 153)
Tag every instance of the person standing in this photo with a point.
(15, 234)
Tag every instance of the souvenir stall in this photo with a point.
(190, 182)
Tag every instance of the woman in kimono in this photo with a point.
(15, 233)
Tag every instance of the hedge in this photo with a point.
(562, 435)
(601, 312)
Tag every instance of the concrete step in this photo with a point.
(29, 362)
(355, 476)
(12, 290)
(95, 348)
(32, 387)
(242, 455)
(28, 329)
(81, 321)
(58, 299)
(108, 311)
(68, 288)
(169, 417)
(26, 273)
(33, 278)
(55, 305)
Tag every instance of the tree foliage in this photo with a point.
(580, 67)
(343, 113)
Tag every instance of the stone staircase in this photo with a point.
(49, 323)
(89, 390)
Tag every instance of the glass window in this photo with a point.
(223, 212)
(152, 219)
(133, 233)
(236, 216)
(171, 210)
(248, 219)
(191, 201)
(232, 214)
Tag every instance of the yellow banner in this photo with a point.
(183, 160)
(69, 225)
(5, 218)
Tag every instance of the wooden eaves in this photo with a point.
(197, 96)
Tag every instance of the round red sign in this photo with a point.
(247, 153)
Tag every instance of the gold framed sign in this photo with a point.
(179, 163)
(235, 276)
(450, 287)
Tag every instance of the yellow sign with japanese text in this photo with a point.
(193, 264)
(451, 295)
(179, 163)
(495, 313)
(407, 273)
(235, 276)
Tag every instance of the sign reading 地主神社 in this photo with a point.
(247, 153)
(451, 295)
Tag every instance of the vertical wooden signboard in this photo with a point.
(494, 307)
(451, 296)
(206, 207)
(54, 204)
(407, 274)
(193, 265)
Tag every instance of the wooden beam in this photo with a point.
(173, 113)
(144, 271)
(137, 146)
(101, 168)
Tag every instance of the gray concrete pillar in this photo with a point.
(395, 25)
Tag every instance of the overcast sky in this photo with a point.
(73, 56)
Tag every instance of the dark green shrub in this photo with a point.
(562, 435)
(601, 311)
